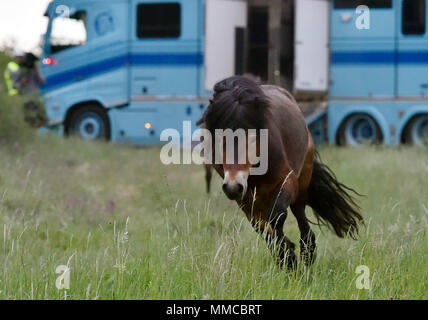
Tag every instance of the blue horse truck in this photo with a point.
(125, 70)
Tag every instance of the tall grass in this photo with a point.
(132, 228)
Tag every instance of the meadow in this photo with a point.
(129, 227)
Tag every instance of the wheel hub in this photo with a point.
(360, 130)
(419, 131)
(89, 127)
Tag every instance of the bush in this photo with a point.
(13, 127)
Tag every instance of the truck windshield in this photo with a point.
(68, 32)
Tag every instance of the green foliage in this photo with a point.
(13, 128)
(132, 228)
(16, 114)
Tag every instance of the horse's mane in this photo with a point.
(238, 102)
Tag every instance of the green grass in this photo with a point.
(132, 228)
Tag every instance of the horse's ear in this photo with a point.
(201, 122)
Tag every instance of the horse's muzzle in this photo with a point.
(233, 190)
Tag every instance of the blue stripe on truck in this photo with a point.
(380, 57)
(94, 69)
(363, 57)
(196, 59)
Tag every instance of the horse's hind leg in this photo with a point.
(307, 237)
(208, 176)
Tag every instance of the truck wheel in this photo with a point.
(90, 123)
(358, 130)
(417, 131)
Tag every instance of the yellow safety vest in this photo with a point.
(12, 67)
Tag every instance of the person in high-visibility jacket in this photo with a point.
(12, 72)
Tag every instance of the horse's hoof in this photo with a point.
(307, 258)
(307, 253)
(290, 260)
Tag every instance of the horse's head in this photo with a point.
(238, 110)
(236, 160)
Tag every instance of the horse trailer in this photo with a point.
(126, 70)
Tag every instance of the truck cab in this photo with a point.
(126, 70)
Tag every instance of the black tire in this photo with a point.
(89, 123)
(358, 130)
(416, 132)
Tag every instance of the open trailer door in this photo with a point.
(311, 64)
(226, 22)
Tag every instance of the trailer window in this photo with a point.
(157, 20)
(372, 4)
(68, 32)
(414, 16)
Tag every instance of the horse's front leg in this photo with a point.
(208, 176)
(279, 244)
(277, 216)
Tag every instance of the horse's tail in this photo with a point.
(332, 201)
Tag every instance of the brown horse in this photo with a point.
(294, 178)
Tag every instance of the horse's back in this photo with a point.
(290, 122)
(283, 102)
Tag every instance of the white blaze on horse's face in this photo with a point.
(235, 183)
